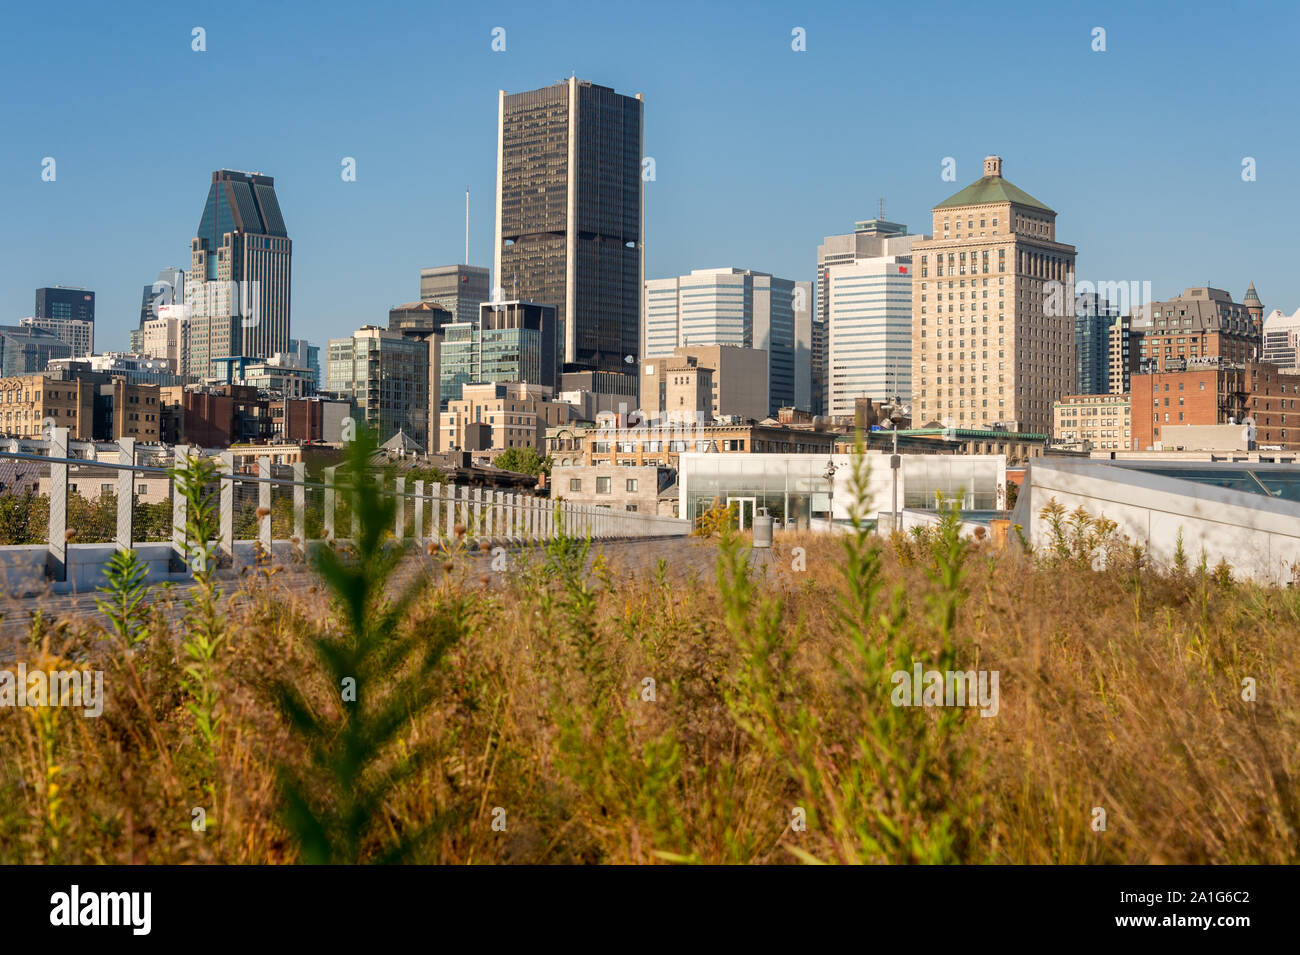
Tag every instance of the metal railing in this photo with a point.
(439, 511)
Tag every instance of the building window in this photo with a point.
(575, 484)
(602, 485)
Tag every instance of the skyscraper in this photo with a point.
(869, 332)
(237, 289)
(987, 347)
(167, 289)
(569, 228)
(1282, 338)
(65, 301)
(1093, 318)
(460, 289)
(864, 342)
(742, 307)
(68, 313)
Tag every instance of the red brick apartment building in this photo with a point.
(1214, 394)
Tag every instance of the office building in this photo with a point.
(133, 369)
(279, 375)
(425, 322)
(869, 328)
(1118, 346)
(65, 302)
(1093, 318)
(385, 375)
(237, 289)
(1090, 422)
(739, 307)
(304, 354)
(870, 239)
(509, 341)
(987, 348)
(77, 334)
(1282, 339)
(459, 289)
(215, 416)
(737, 385)
(569, 216)
(820, 396)
(26, 350)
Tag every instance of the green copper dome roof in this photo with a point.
(992, 189)
(1252, 297)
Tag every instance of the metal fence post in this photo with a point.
(56, 561)
(399, 529)
(419, 512)
(329, 503)
(435, 504)
(477, 495)
(180, 558)
(300, 505)
(125, 493)
(226, 514)
(264, 503)
(353, 481)
(451, 512)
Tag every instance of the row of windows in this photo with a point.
(603, 485)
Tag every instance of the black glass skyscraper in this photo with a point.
(63, 302)
(569, 215)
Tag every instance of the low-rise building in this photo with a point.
(1259, 395)
(1086, 422)
(214, 417)
(660, 443)
(737, 386)
(313, 420)
(616, 487)
(518, 413)
(91, 406)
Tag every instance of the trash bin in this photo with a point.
(762, 528)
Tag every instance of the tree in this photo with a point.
(524, 461)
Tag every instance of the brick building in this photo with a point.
(215, 417)
(1218, 395)
(1201, 323)
(92, 406)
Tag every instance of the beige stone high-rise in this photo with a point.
(992, 338)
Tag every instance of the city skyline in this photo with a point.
(405, 211)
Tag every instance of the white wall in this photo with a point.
(1257, 535)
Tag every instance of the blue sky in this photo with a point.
(760, 151)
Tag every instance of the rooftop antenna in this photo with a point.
(467, 225)
(880, 208)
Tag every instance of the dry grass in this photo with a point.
(1114, 694)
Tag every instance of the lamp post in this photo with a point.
(895, 463)
(830, 477)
